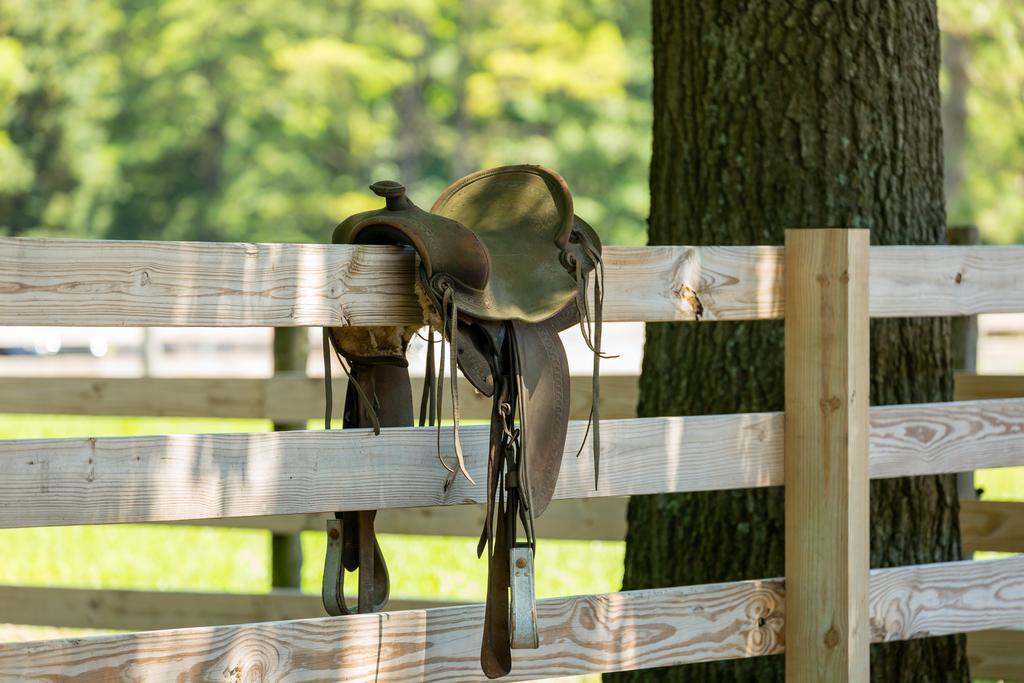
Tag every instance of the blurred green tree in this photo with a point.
(259, 120)
(264, 121)
(984, 39)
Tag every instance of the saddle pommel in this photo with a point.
(393, 192)
(443, 245)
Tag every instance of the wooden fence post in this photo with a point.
(291, 349)
(826, 455)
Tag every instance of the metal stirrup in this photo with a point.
(370, 564)
(523, 607)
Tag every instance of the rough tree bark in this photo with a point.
(770, 115)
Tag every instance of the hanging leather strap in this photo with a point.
(379, 394)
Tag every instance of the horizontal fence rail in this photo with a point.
(286, 399)
(593, 519)
(137, 610)
(997, 655)
(281, 399)
(992, 525)
(984, 525)
(579, 635)
(971, 387)
(140, 283)
(48, 482)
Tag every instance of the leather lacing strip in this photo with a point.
(364, 400)
(450, 328)
(590, 328)
(432, 398)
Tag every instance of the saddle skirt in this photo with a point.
(503, 267)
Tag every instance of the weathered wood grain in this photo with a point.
(971, 387)
(149, 396)
(940, 438)
(826, 455)
(996, 655)
(992, 525)
(135, 610)
(123, 283)
(949, 597)
(685, 283)
(138, 283)
(946, 280)
(280, 399)
(298, 398)
(984, 525)
(47, 482)
(592, 519)
(579, 635)
(71, 481)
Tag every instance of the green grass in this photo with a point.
(236, 560)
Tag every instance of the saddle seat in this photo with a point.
(500, 246)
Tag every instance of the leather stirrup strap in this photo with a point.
(351, 542)
(495, 648)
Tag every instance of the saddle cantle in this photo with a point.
(503, 267)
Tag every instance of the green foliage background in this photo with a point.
(993, 193)
(262, 120)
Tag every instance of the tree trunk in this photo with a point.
(770, 115)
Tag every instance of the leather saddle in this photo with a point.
(503, 267)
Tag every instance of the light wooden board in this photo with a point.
(826, 455)
(149, 396)
(138, 283)
(593, 519)
(970, 387)
(992, 525)
(984, 525)
(578, 635)
(280, 399)
(120, 479)
(300, 398)
(911, 281)
(135, 610)
(52, 482)
(996, 655)
(949, 597)
(199, 284)
(941, 438)
(587, 634)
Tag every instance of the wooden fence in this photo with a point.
(290, 399)
(177, 478)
